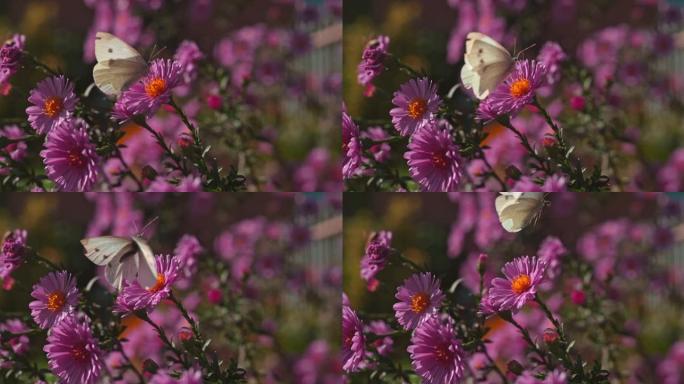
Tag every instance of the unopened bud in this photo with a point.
(482, 263)
(550, 336)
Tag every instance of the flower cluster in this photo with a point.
(225, 112)
(554, 116)
(13, 252)
(11, 54)
(249, 292)
(372, 62)
(478, 315)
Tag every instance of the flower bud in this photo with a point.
(214, 101)
(578, 103)
(184, 141)
(482, 263)
(214, 296)
(550, 336)
(578, 297)
(184, 335)
(548, 141)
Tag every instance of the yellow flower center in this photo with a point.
(420, 302)
(520, 88)
(79, 352)
(439, 160)
(75, 158)
(161, 281)
(155, 87)
(52, 106)
(55, 301)
(442, 353)
(417, 108)
(521, 284)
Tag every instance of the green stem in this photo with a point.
(556, 129)
(186, 315)
(550, 316)
(528, 339)
(39, 65)
(523, 140)
(128, 360)
(483, 157)
(492, 363)
(162, 336)
(129, 172)
(409, 263)
(406, 68)
(165, 147)
(198, 147)
(45, 262)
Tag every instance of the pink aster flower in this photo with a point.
(70, 158)
(148, 94)
(14, 341)
(419, 299)
(10, 60)
(378, 250)
(351, 145)
(133, 296)
(17, 150)
(416, 105)
(433, 160)
(514, 93)
(53, 102)
(13, 251)
(353, 340)
(56, 297)
(372, 61)
(188, 56)
(551, 251)
(187, 253)
(73, 353)
(436, 354)
(551, 56)
(522, 277)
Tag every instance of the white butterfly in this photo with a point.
(118, 64)
(124, 258)
(487, 63)
(517, 210)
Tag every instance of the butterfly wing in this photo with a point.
(118, 64)
(104, 249)
(146, 272)
(114, 271)
(487, 63)
(110, 47)
(518, 211)
(483, 50)
(113, 76)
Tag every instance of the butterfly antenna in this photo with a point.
(156, 52)
(148, 225)
(526, 49)
(515, 46)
